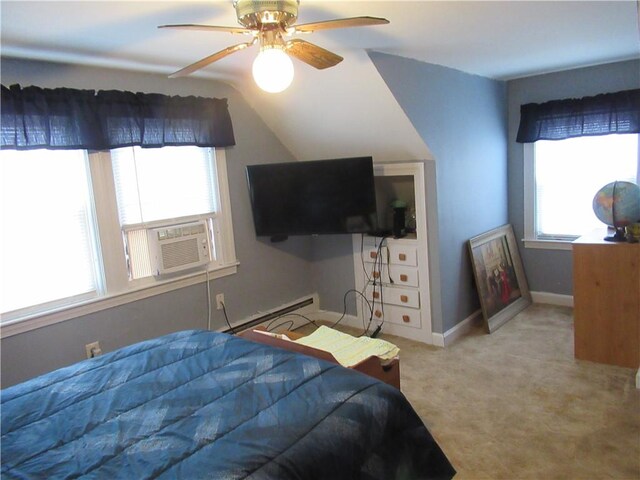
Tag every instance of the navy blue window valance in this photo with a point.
(577, 117)
(65, 118)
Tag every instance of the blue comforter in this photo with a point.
(199, 404)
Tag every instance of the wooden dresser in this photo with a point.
(606, 293)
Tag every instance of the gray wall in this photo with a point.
(551, 270)
(332, 272)
(268, 276)
(462, 119)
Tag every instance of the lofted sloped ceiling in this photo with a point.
(346, 110)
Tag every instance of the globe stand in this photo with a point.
(618, 236)
(617, 204)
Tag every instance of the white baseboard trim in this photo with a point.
(552, 299)
(459, 330)
(437, 339)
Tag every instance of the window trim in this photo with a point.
(530, 239)
(117, 288)
(116, 277)
(69, 312)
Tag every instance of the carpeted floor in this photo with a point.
(516, 404)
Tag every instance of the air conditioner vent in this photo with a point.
(180, 253)
(174, 248)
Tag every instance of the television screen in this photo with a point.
(317, 197)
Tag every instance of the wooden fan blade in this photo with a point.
(208, 28)
(210, 59)
(340, 23)
(312, 54)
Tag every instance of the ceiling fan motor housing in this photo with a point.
(268, 22)
(255, 13)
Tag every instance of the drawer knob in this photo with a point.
(376, 274)
(373, 254)
(406, 318)
(378, 313)
(403, 278)
(402, 257)
(404, 298)
(376, 294)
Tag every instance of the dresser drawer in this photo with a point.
(397, 275)
(370, 254)
(392, 254)
(409, 317)
(404, 297)
(403, 255)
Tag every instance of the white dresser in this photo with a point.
(393, 281)
(393, 273)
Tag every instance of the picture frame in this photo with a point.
(499, 276)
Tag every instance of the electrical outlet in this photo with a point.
(93, 349)
(219, 300)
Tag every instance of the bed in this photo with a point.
(199, 404)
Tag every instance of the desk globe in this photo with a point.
(617, 204)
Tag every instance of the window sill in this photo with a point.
(87, 307)
(547, 244)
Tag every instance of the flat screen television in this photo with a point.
(315, 197)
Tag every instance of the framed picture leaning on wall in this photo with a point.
(500, 280)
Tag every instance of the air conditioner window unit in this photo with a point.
(175, 248)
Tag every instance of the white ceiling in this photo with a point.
(500, 40)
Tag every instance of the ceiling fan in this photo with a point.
(268, 23)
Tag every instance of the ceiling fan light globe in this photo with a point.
(273, 70)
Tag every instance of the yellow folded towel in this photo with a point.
(349, 350)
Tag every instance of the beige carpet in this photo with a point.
(516, 404)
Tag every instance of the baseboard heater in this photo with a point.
(270, 316)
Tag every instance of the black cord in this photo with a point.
(289, 322)
(292, 314)
(375, 333)
(379, 264)
(371, 309)
(344, 304)
(389, 267)
(364, 269)
(224, 310)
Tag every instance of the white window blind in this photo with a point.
(568, 173)
(48, 249)
(161, 183)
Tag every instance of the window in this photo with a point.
(74, 223)
(562, 177)
(160, 186)
(49, 253)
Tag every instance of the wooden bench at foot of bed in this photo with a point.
(389, 372)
